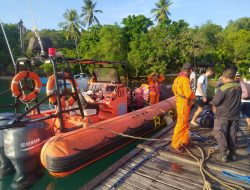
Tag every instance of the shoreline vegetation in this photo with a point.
(162, 46)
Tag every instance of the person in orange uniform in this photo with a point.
(184, 96)
(154, 80)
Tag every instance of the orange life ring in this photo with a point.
(15, 85)
(50, 90)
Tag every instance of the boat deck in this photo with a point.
(152, 165)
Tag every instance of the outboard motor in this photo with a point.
(6, 167)
(23, 146)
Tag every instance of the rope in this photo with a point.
(203, 139)
(236, 176)
(207, 185)
(122, 178)
(4, 91)
(134, 137)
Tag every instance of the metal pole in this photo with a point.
(58, 95)
(36, 29)
(78, 57)
(21, 35)
(11, 55)
(6, 39)
(75, 90)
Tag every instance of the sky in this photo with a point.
(48, 13)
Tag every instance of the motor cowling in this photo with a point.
(23, 146)
(6, 167)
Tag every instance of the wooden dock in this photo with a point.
(152, 165)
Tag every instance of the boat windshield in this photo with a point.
(107, 74)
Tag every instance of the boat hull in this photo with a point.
(69, 152)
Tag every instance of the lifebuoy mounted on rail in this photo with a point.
(50, 90)
(19, 91)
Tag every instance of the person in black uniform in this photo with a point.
(227, 102)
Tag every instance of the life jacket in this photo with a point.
(155, 87)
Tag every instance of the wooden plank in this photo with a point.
(152, 174)
(134, 177)
(124, 186)
(166, 179)
(141, 178)
(195, 180)
(98, 179)
(186, 160)
(138, 181)
(157, 163)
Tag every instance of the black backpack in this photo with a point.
(206, 119)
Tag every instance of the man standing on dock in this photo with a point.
(227, 102)
(201, 94)
(184, 97)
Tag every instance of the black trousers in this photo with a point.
(225, 133)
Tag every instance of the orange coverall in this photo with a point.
(154, 88)
(184, 96)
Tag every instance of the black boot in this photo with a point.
(222, 157)
(232, 156)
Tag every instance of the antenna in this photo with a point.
(36, 29)
(7, 42)
(21, 31)
(78, 57)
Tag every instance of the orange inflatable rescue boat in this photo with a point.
(82, 128)
(67, 153)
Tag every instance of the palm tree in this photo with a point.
(71, 25)
(88, 11)
(161, 12)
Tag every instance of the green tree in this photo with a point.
(211, 34)
(89, 40)
(6, 65)
(113, 44)
(161, 12)
(88, 13)
(135, 25)
(241, 23)
(71, 25)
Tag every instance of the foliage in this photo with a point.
(71, 25)
(135, 25)
(12, 34)
(88, 13)
(161, 12)
(145, 47)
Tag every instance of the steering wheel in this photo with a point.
(97, 95)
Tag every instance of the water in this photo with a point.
(72, 182)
